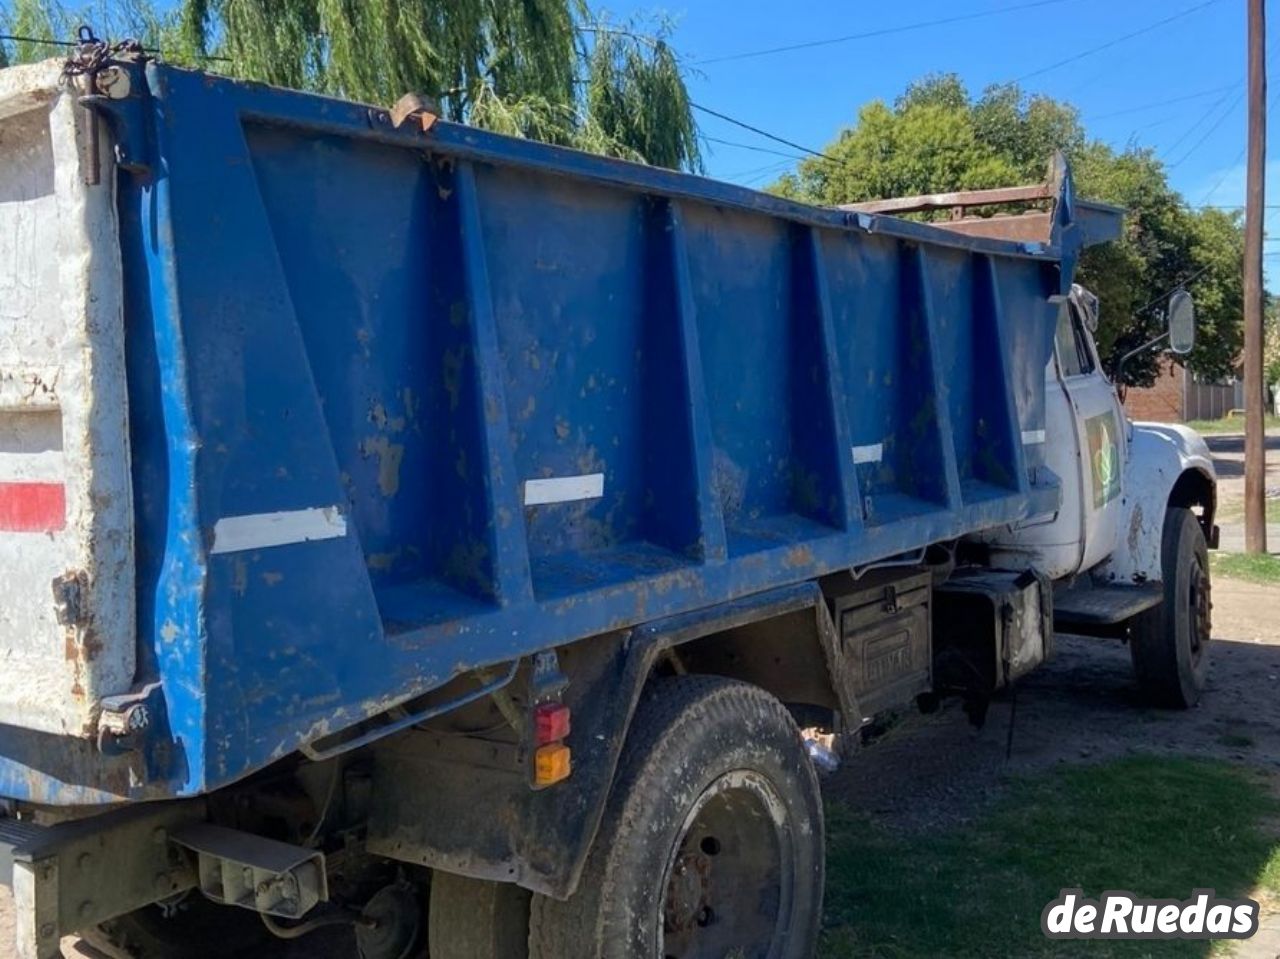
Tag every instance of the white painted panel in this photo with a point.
(63, 410)
(235, 534)
(563, 489)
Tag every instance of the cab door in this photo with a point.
(1099, 427)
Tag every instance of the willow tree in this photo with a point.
(546, 69)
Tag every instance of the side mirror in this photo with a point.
(1182, 323)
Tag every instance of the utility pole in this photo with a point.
(1255, 470)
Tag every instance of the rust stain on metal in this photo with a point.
(798, 557)
(390, 456)
(417, 106)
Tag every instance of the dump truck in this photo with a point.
(442, 538)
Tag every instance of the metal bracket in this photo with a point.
(119, 99)
(548, 680)
(242, 869)
(319, 753)
(125, 719)
(891, 598)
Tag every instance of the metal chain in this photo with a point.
(92, 54)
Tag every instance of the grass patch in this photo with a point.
(1154, 826)
(1229, 424)
(1264, 568)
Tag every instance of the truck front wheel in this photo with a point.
(1169, 643)
(712, 842)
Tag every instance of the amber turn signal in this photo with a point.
(551, 764)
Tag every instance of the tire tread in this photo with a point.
(566, 929)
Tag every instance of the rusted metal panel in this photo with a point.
(962, 199)
(1025, 227)
(1097, 222)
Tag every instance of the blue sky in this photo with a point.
(1193, 67)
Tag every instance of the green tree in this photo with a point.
(1271, 342)
(936, 138)
(546, 69)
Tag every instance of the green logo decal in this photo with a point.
(1104, 456)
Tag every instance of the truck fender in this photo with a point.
(1168, 465)
(434, 806)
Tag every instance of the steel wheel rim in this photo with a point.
(728, 885)
(1198, 603)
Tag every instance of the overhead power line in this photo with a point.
(15, 38)
(1223, 179)
(756, 174)
(45, 40)
(1164, 103)
(1229, 206)
(1117, 40)
(1209, 132)
(1185, 281)
(1199, 121)
(764, 133)
(1239, 156)
(884, 32)
(750, 146)
(809, 151)
(1204, 118)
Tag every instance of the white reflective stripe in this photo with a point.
(873, 453)
(1032, 437)
(235, 534)
(563, 489)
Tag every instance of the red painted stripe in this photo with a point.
(32, 507)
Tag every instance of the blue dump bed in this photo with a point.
(405, 402)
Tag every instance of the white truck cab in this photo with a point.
(1126, 546)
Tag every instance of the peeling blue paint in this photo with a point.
(323, 311)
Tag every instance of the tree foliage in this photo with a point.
(546, 69)
(937, 138)
(1271, 343)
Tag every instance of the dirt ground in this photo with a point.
(1228, 458)
(1081, 707)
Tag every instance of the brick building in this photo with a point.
(1176, 397)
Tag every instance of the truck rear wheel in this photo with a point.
(1169, 643)
(475, 919)
(712, 842)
